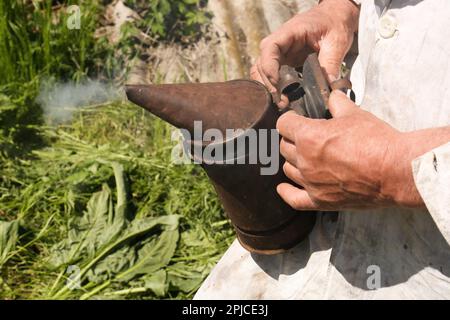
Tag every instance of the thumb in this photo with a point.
(340, 105)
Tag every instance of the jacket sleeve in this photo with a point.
(432, 178)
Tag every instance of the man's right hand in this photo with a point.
(327, 29)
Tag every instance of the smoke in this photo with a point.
(60, 100)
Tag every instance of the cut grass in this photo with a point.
(43, 192)
(49, 173)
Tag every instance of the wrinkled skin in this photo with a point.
(327, 29)
(353, 160)
(333, 160)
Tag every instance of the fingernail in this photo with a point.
(275, 97)
(332, 77)
(278, 188)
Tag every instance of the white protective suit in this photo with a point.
(401, 75)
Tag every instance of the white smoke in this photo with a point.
(60, 100)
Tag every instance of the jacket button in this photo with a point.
(387, 26)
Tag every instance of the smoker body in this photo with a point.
(264, 223)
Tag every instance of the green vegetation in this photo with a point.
(95, 201)
(171, 20)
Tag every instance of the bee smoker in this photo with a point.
(264, 223)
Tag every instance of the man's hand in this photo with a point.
(327, 29)
(354, 160)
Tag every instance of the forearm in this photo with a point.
(400, 184)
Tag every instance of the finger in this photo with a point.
(289, 123)
(273, 91)
(288, 151)
(340, 105)
(254, 74)
(287, 45)
(293, 173)
(296, 197)
(331, 57)
(281, 102)
(271, 56)
(274, 49)
(284, 101)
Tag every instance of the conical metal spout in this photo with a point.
(232, 104)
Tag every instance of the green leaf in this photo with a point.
(6, 104)
(186, 285)
(110, 249)
(9, 234)
(157, 282)
(112, 265)
(186, 279)
(77, 177)
(99, 226)
(151, 253)
(157, 252)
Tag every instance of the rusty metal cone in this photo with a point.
(224, 105)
